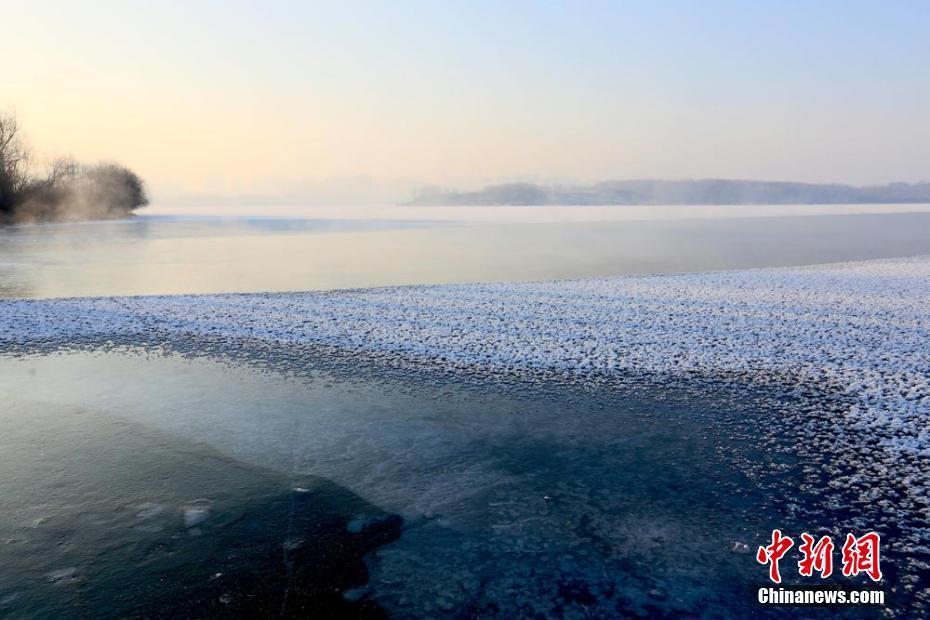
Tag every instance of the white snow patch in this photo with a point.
(861, 328)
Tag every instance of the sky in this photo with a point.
(365, 101)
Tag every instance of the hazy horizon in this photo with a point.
(332, 104)
(367, 191)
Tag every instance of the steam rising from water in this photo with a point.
(78, 192)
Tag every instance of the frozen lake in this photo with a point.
(316, 249)
(125, 469)
(597, 448)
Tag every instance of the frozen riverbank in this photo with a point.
(849, 339)
(860, 328)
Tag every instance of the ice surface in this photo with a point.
(62, 575)
(859, 329)
(851, 338)
(195, 513)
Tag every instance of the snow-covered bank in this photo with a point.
(864, 328)
(861, 326)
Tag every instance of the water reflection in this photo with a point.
(165, 256)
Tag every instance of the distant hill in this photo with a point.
(688, 192)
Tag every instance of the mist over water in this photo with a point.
(375, 247)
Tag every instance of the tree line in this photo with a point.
(65, 189)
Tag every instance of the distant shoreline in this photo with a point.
(646, 192)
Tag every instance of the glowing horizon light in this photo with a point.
(364, 101)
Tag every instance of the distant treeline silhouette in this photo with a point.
(68, 190)
(686, 192)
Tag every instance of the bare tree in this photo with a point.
(61, 169)
(14, 162)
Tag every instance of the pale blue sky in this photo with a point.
(252, 96)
